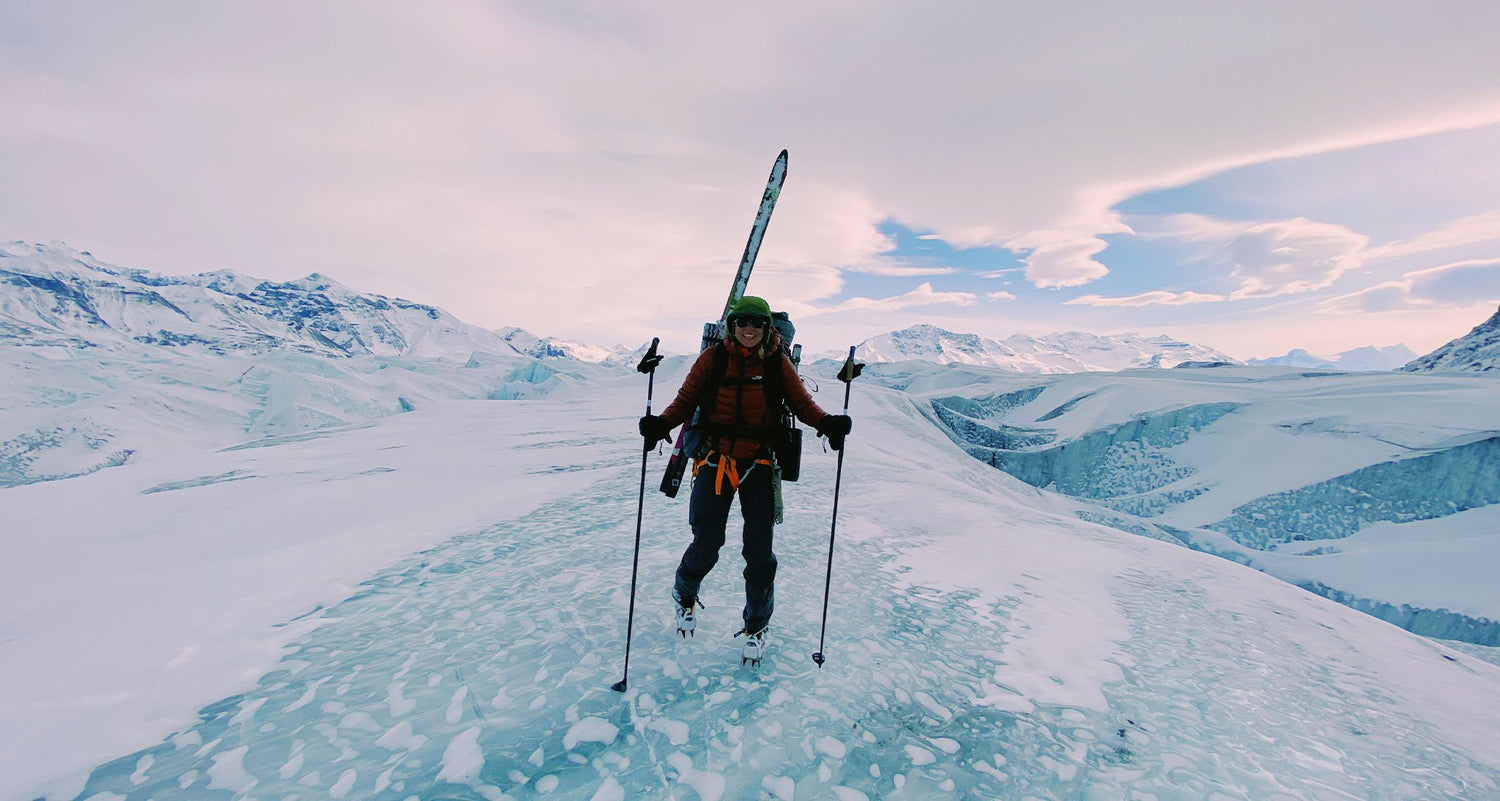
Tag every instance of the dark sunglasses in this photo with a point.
(748, 322)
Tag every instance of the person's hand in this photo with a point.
(835, 427)
(655, 429)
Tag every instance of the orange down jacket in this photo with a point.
(741, 404)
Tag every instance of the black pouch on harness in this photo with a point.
(788, 445)
(789, 454)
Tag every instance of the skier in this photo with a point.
(740, 426)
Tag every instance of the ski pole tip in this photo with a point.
(618, 686)
(818, 657)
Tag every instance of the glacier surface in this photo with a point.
(432, 604)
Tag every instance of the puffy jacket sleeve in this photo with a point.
(681, 408)
(797, 397)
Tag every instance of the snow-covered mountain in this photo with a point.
(101, 366)
(1366, 359)
(55, 296)
(1475, 352)
(1069, 352)
(555, 348)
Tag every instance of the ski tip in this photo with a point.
(618, 686)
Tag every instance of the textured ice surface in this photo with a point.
(1270, 457)
(1433, 485)
(982, 645)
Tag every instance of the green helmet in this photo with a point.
(750, 306)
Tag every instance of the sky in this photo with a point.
(1254, 177)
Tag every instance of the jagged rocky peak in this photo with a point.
(1475, 352)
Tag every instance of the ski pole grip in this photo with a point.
(651, 359)
(850, 371)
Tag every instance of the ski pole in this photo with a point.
(648, 366)
(847, 375)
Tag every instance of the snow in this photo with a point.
(463, 759)
(360, 602)
(228, 772)
(971, 616)
(1067, 352)
(1368, 358)
(60, 297)
(1442, 563)
(239, 568)
(1265, 455)
(590, 730)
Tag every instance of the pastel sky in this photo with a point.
(1251, 176)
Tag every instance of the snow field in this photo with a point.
(1259, 468)
(179, 580)
(983, 642)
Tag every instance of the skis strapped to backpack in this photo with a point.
(713, 332)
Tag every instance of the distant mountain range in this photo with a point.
(1070, 352)
(1368, 358)
(55, 296)
(1475, 352)
(52, 296)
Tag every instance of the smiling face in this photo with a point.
(749, 335)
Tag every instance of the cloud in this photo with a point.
(1469, 230)
(1462, 284)
(482, 157)
(894, 269)
(1186, 227)
(923, 295)
(1001, 295)
(1292, 257)
(1156, 298)
(1262, 259)
(1459, 284)
(1384, 297)
(1057, 259)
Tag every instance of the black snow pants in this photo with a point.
(708, 515)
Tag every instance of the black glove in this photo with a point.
(835, 427)
(655, 429)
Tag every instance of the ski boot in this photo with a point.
(687, 617)
(755, 647)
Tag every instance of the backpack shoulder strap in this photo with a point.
(709, 395)
(773, 380)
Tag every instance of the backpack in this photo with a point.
(782, 437)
